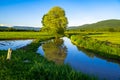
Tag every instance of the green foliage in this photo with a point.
(55, 21)
(104, 48)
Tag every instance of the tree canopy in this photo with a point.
(55, 21)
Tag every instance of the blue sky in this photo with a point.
(78, 12)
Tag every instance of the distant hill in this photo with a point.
(106, 25)
(72, 27)
(26, 28)
(3, 28)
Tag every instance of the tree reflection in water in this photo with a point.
(55, 50)
(92, 55)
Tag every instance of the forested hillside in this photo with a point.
(106, 25)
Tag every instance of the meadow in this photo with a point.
(113, 37)
(23, 35)
(26, 64)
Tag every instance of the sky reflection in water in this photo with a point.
(13, 44)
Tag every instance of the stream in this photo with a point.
(62, 51)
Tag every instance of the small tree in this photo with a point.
(55, 21)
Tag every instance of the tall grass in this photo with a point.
(103, 48)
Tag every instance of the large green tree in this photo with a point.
(55, 21)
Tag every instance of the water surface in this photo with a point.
(13, 44)
(80, 60)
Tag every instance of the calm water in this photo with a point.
(13, 44)
(63, 51)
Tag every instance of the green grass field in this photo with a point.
(113, 37)
(23, 35)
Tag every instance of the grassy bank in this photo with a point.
(103, 48)
(25, 64)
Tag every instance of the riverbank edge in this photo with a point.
(101, 54)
